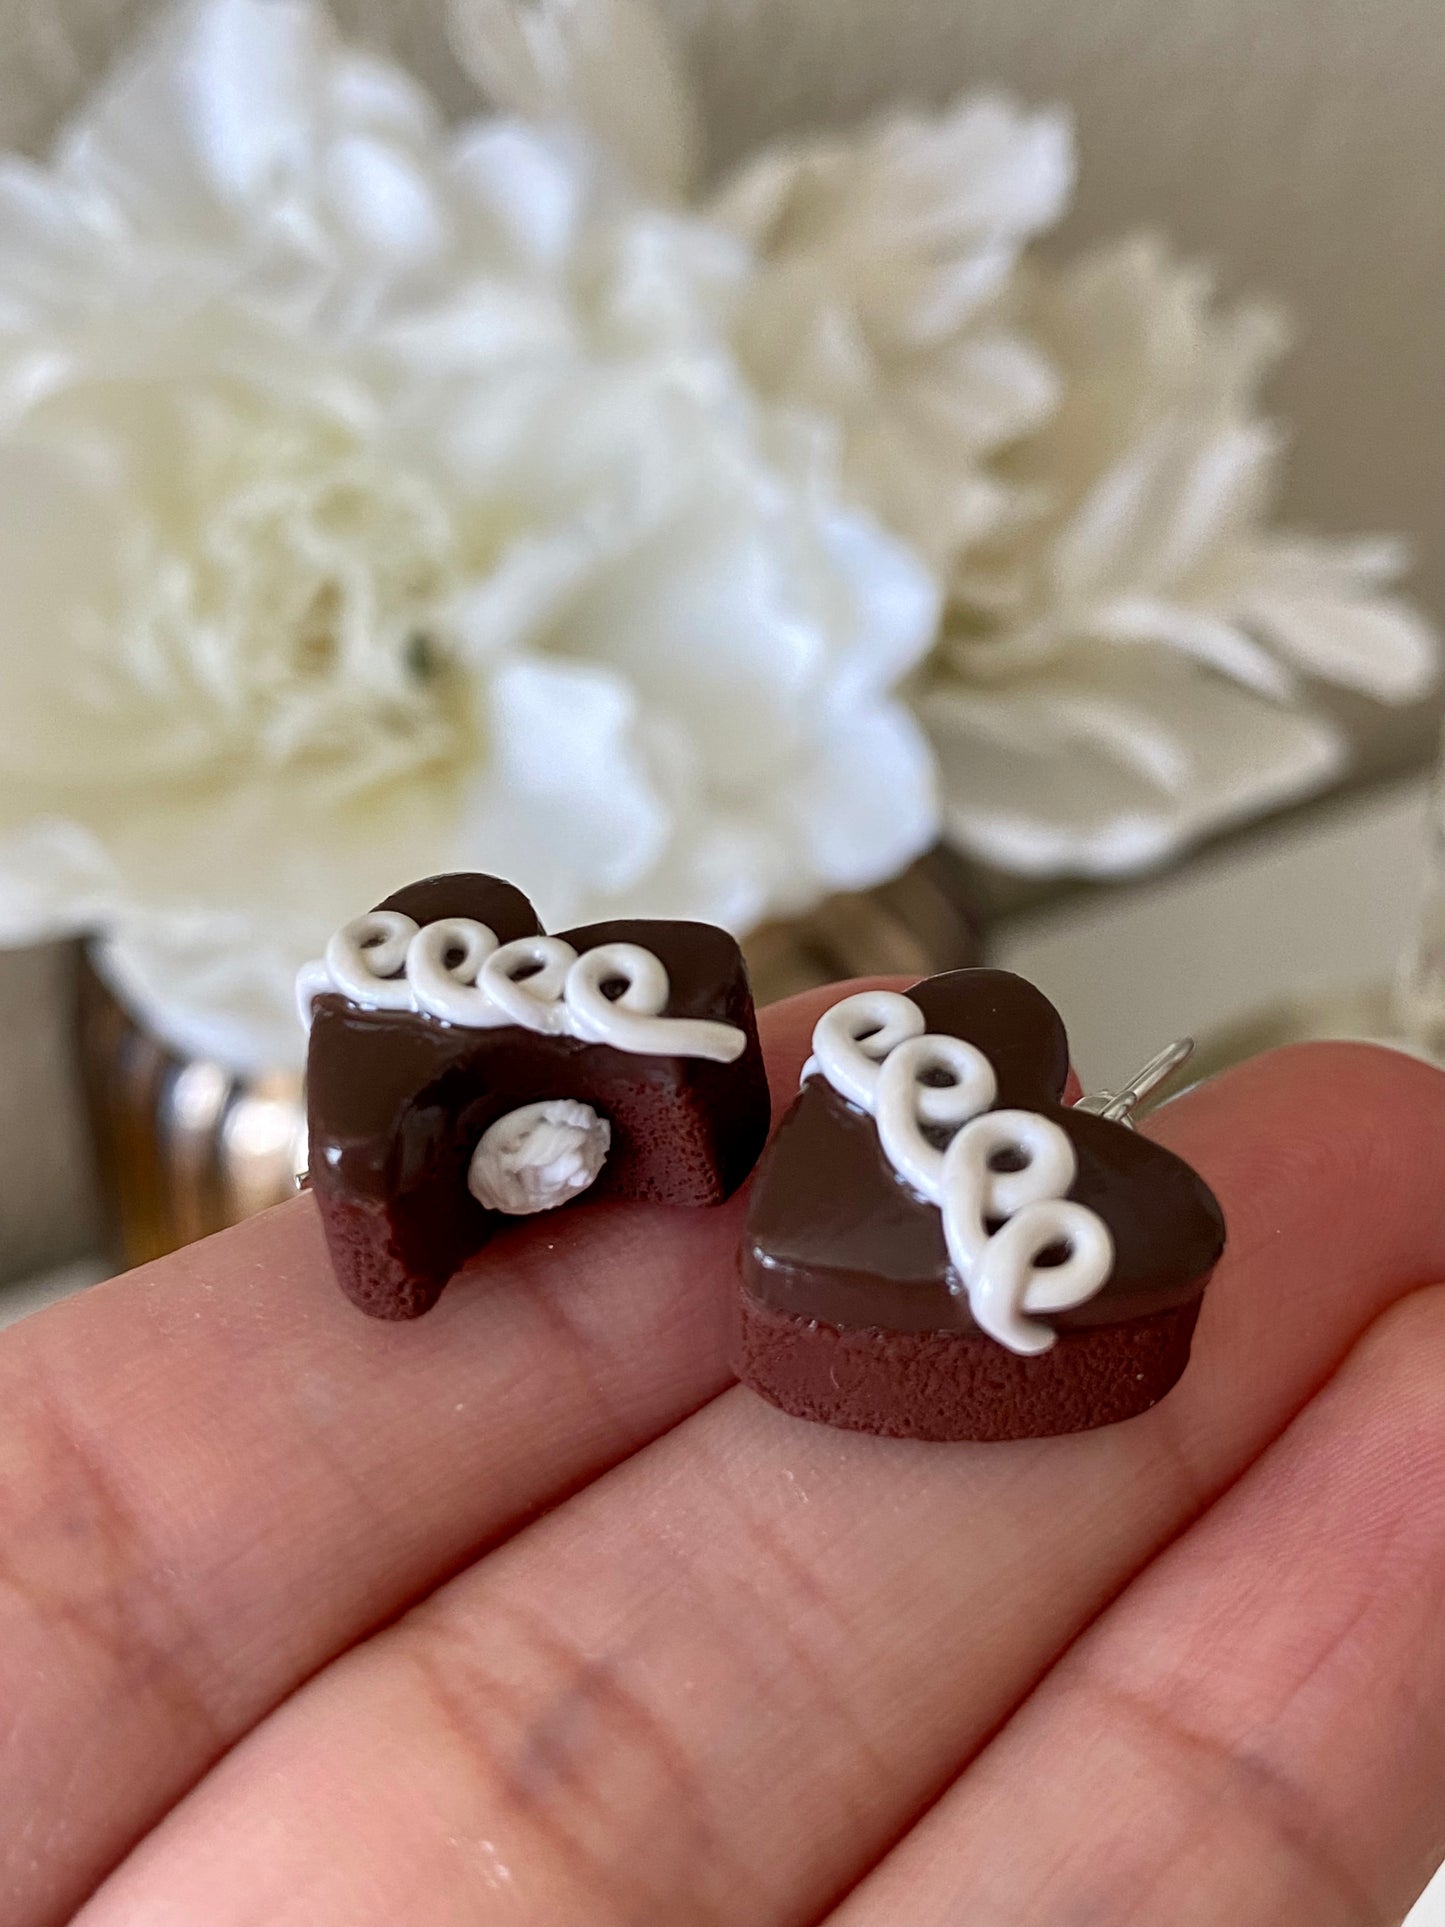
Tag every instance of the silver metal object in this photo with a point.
(1121, 1105)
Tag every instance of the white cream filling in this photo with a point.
(875, 1051)
(455, 970)
(538, 1157)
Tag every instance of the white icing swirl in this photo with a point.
(1009, 1170)
(364, 955)
(455, 970)
(536, 1000)
(443, 961)
(908, 1108)
(633, 1020)
(851, 1040)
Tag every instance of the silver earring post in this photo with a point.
(1121, 1105)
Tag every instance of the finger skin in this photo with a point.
(720, 1683)
(1254, 1736)
(215, 1474)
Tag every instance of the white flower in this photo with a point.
(874, 300)
(1126, 670)
(377, 499)
(875, 260)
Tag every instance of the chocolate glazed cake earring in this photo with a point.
(465, 1068)
(939, 1248)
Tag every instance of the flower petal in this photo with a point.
(753, 649)
(1292, 563)
(1377, 644)
(929, 187)
(1116, 770)
(47, 254)
(1150, 520)
(385, 202)
(212, 987)
(81, 710)
(982, 391)
(369, 94)
(1144, 333)
(217, 106)
(533, 185)
(567, 800)
(887, 610)
(56, 879)
(863, 802)
(991, 168)
(1209, 638)
(606, 65)
(880, 260)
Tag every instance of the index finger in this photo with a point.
(215, 1474)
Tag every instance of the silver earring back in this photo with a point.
(1121, 1105)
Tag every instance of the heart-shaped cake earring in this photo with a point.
(465, 1068)
(938, 1247)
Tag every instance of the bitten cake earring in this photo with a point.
(939, 1248)
(464, 1068)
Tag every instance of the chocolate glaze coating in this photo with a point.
(847, 1314)
(398, 1101)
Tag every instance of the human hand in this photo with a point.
(520, 1615)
